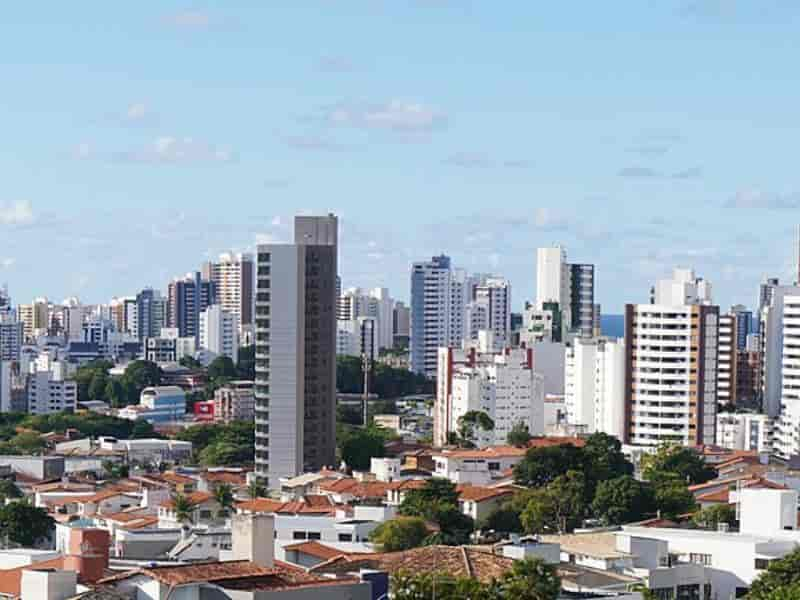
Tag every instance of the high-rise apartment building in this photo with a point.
(49, 389)
(233, 277)
(296, 351)
(147, 316)
(35, 318)
(219, 332)
(376, 304)
(12, 336)
(502, 384)
(490, 310)
(186, 299)
(568, 286)
(671, 365)
(357, 337)
(594, 385)
(401, 328)
(734, 328)
(430, 312)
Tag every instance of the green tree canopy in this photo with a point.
(712, 517)
(222, 366)
(676, 462)
(519, 435)
(138, 375)
(623, 500)
(400, 534)
(530, 579)
(437, 502)
(361, 446)
(558, 508)
(24, 524)
(781, 577)
(542, 465)
(673, 498)
(470, 423)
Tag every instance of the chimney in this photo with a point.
(47, 584)
(87, 553)
(254, 538)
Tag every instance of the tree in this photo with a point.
(24, 524)
(436, 490)
(519, 435)
(222, 366)
(559, 507)
(605, 458)
(190, 362)
(115, 392)
(142, 430)
(138, 375)
(9, 490)
(781, 577)
(437, 501)
(503, 519)
(470, 423)
(183, 507)
(673, 498)
(256, 490)
(97, 387)
(28, 442)
(86, 374)
(115, 471)
(542, 465)
(224, 453)
(712, 517)
(676, 462)
(400, 534)
(530, 579)
(223, 494)
(361, 446)
(623, 500)
(406, 585)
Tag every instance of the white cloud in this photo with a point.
(7, 263)
(395, 115)
(82, 151)
(136, 112)
(174, 150)
(755, 198)
(17, 213)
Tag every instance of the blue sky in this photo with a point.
(140, 138)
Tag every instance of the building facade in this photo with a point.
(219, 332)
(187, 298)
(233, 275)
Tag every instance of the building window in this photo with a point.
(700, 559)
(762, 564)
(299, 535)
(345, 537)
(314, 535)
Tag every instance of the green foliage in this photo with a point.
(85, 376)
(400, 534)
(437, 502)
(246, 365)
(115, 471)
(220, 367)
(676, 462)
(24, 524)
(9, 490)
(557, 508)
(779, 580)
(673, 498)
(530, 579)
(503, 520)
(115, 393)
(256, 490)
(604, 453)
(88, 424)
(221, 445)
(223, 494)
(184, 509)
(190, 362)
(712, 516)
(360, 446)
(519, 435)
(138, 375)
(470, 423)
(386, 381)
(543, 465)
(623, 500)
(23, 443)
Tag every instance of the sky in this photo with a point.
(138, 140)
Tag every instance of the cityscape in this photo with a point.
(266, 336)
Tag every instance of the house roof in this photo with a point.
(595, 545)
(321, 505)
(194, 499)
(11, 579)
(458, 561)
(315, 549)
(225, 477)
(177, 479)
(485, 453)
(476, 493)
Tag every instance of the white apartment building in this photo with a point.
(377, 304)
(671, 367)
(5, 386)
(490, 310)
(356, 337)
(594, 385)
(726, 379)
(552, 276)
(233, 275)
(219, 332)
(430, 312)
(745, 431)
(502, 384)
(49, 389)
(570, 287)
(783, 339)
(683, 289)
(11, 336)
(35, 318)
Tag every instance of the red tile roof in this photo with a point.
(315, 549)
(476, 493)
(194, 499)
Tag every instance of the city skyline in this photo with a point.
(636, 170)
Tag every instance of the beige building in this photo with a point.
(235, 401)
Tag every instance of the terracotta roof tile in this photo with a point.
(194, 499)
(315, 549)
(476, 493)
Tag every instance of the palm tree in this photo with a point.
(183, 507)
(256, 490)
(223, 494)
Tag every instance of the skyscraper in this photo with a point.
(146, 318)
(671, 364)
(186, 299)
(296, 351)
(569, 286)
(233, 275)
(430, 312)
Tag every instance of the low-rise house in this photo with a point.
(476, 467)
(479, 502)
(205, 512)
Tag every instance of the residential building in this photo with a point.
(187, 298)
(430, 313)
(235, 401)
(49, 389)
(502, 384)
(148, 316)
(357, 337)
(671, 365)
(35, 318)
(160, 404)
(746, 431)
(296, 351)
(734, 328)
(5, 386)
(594, 382)
(490, 310)
(233, 276)
(401, 325)
(12, 336)
(219, 332)
(781, 369)
(567, 288)
(377, 304)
